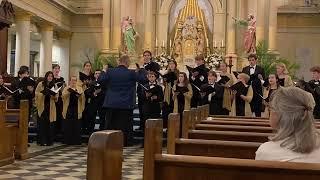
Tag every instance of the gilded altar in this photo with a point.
(191, 35)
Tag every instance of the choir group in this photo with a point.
(71, 108)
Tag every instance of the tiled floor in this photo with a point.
(68, 163)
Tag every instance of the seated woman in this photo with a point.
(296, 139)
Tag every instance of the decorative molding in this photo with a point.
(81, 6)
(40, 12)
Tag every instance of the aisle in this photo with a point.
(68, 163)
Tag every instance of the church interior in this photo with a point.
(41, 34)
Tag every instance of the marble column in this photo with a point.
(106, 24)
(65, 38)
(231, 32)
(22, 56)
(116, 25)
(260, 21)
(9, 51)
(148, 24)
(46, 48)
(273, 12)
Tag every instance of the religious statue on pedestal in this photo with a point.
(200, 41)
(129, 35)
(250, 34)
(177, 46)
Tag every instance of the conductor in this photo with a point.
(120, 97)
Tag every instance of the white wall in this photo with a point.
(87, 34)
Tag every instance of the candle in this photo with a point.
(215, 43)
(230, 61)
(207, 42)
(222, 43)
(170, 43)
(156, 42)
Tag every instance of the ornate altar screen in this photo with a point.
(191, 24)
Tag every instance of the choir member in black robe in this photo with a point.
(226, 80)
(73, 106)
(2, 89)
(182, 94)
(58, 82)
(25, 86)
(169, 80)
(96, 94)
(86, 78)
(197, 77)
(45, 97)
(273, 85)
(212, 94)
(242, 96)
(283, 74)
(149, 65)
(314, 88)
(152, 98)
(256, 74)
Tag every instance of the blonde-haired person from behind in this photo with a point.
(283, 73)
(296, 139)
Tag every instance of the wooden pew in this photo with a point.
(229, 135)
(237, 117)
(6, 148)
(218, 127)
(240, 123)
(200, 147)
(17, 121)
(158, 166)
(15, 130)
(104, 160)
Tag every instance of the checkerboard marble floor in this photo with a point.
(68, 163)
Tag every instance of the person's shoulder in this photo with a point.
(265, 149)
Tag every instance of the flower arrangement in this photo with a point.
(213, 61)
(163, 60)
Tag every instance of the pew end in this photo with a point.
(6, 147)
(104, 160)
(173, 131)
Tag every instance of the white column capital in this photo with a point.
(46, 26)
(21, 15)
(65, 34)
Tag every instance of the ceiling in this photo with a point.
(81, 6)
